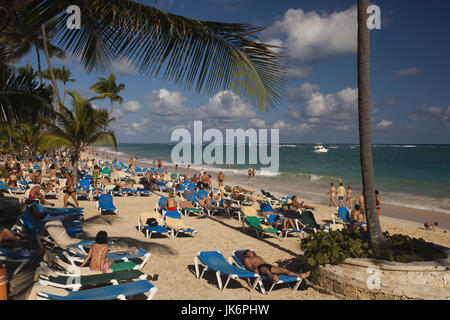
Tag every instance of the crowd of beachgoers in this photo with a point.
(50, 233)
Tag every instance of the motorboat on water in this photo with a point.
(319, 148)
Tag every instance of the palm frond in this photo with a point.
(205, 55)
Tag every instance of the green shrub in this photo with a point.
(336, 246)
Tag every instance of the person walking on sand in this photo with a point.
(332, 193)
(349, 198)
(253, 173)
(250, 173)
(378, 201)
(341, 194)
(258, 265)
(220, 179)
(69, 190)
(189, 171)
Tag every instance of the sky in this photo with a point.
(410, 78)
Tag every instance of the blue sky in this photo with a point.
(409, 75)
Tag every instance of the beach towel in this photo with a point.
(186, 204)
(58, 233)
(175, 224)
(249, 211)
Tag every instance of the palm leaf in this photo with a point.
(205, 55)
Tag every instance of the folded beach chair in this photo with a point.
(120, 291)
(105, 205)
(238, 259)
(21, 256)
(343, 215)
(159, 229)
(66, 212)
(5, 188)
(81, 282)
(174, 222)
(23, 184)
(308, 221)
(84, 185)
(271, 219)
(255, 223)
(215, 261)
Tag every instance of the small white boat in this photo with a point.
(319, 148)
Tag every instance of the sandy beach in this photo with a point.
(173, 259)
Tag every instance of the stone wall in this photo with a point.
(370, 279)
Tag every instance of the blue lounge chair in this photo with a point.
(66, 212)
(143, 192)
(21, 256)
(202, 194)
(238, 259)
(343, 215)
(22, 183)
(120, 291)
(138, 171)
(105, 205)
(160, 204)
(271, 219)
(175, 231)
(4, 187)
(130, 192)
(85, 185)
(149, 231)
(215, 261)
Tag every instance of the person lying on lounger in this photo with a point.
(283, 224)
(258, 265)
(171, 203)
(97, 254)
(301, 205)
(7, 236)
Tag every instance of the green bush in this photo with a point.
(336, 246)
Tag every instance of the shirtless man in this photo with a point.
(332, 193)
(357, 218)
(360, 201)
(348, 199)
(259, 265)
(36, 193)
(12, 181)
(69, 190)
(206, 181)
(296, 204)
(189, 171)
(220, 179)
(97, 254)
(36, 177)
(171, 203)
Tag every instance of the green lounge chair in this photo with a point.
(255, 223)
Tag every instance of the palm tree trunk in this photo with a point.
(64, 92)
(39, 62)
(50, 68)
(75, 157)
(364, 108)
(112, 106)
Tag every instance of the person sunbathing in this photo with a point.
(356, 218)
(258, 265)
(36, 193)
(299, 205)
(242, 197)
(12, 181)
(97, 254)
(430, 225)
(283, 224)
(6, 235)
(170, 204)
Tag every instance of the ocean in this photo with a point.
(415, 176)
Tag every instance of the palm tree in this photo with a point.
(364, 109)
(208, 56)
(108, 88)
(78, 128)
(63, 75)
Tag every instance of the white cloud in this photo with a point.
(311, 37)
(124, 66)
(132, 106)
(409, 72)
(384, 124)
(303, 93)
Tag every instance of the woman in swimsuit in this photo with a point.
(69, 190)
(97, 254)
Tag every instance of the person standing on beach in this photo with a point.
(160, 163)
(220, 179)
(189, 171)
(349, 198)
(378, 200)
(253, 173)
(250, 173)
(69, 190)
(341, 194)
(206, 181)
(332, 193)
(176, 169)
(360, 201)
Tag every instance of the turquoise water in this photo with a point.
(401, 171)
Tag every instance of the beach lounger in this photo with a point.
(308, 221)
(84, 185)
(105, 205)
(159, 229)
(23, 184)
(143, 192)
(255, 223)
(174, 222)
(120, 291)
(21, 256)
(215, 261)
(238, 259)
(160, 204)
(297, 232)
(5, 188)
(130, 192)
(77, 213)
(343, 215)
(247, 211)
(79, 282)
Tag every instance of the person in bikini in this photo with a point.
(97, 254)
(258, 265)
(69, 190)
